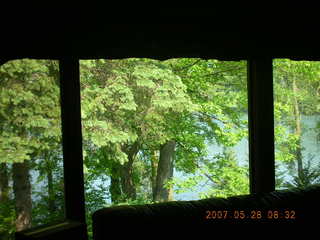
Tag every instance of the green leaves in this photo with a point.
(135, 99)
(30, 130)
(7, 223)
(222, 174)
(30, 111)
(14, 149)
(296, 85)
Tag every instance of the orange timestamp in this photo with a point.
(251, 214)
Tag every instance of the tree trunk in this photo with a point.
(154, 158)
(22, 194)
(4, 183)
(297, 129)
(165, 172)
(126, 171)
(115, 185)
(127, 184)
(51, 195)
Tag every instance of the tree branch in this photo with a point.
(206, 175)
(209, 116)
(197, 165)
(209, 177)
(219, 72)
(188, 66)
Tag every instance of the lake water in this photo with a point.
(310, 143)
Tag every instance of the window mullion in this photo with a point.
(72, 139)
(261, 125)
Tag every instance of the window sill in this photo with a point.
(64, 230)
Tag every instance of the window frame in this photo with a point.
(261, 125)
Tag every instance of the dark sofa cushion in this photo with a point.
(286, 206)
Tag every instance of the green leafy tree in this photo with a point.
(219, 89)
(296, 86)
(309, 176)
(222, 175)
(127, 107)
(145, 106)
(30, 126)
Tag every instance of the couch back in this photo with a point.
(286, 206)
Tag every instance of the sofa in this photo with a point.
(278, 207)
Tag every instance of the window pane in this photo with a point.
(163, 130)
(297, 122)
(31, 171)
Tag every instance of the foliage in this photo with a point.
(223, 176)
(310, 175)
(95, 196)
(49, 207)
(29, 115)
(7, 220)
(30, 130)
(128, 102)
(296, 88)
(228, 177)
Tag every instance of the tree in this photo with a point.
(164, 172)
(30, 124)
(134, 108)
(4, 183)
(219, 89)
(22, 193)
(7, 213)
(141, 95)
(221, 176)
(51, 189)
(296, 94)
(227, 178)
(308, 176)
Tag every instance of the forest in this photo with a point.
(151, 130)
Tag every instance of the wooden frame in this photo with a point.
(261, 125)
(72, 139)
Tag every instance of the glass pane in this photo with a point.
(31, 171)
(158, 131)
(297, 122)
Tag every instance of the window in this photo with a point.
(138, 114)
(163, 130)
(297, 121)
(31, 162)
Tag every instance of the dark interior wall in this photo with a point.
(228, 33)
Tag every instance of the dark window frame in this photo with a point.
(261, 125)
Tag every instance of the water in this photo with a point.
(242, 154)
(309, 141)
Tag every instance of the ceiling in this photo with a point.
(159, 33)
